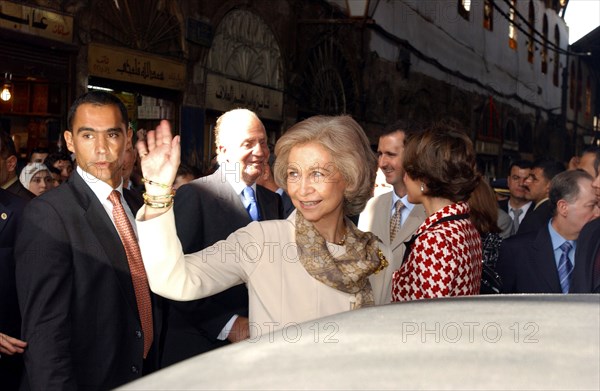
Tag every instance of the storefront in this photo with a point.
(150, 86)
(36, 72)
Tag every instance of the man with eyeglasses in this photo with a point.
(517, 205)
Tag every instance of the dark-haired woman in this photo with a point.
(444, 257)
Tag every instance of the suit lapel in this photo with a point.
(414, 220)
(543, 261)
(228, 199)
(106, 234)
(380, 218)
(529, 210)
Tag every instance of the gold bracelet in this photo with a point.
(148, 181)
(159, 198)
(158, 205)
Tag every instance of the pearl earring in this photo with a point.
(422, 187)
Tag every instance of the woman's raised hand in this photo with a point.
(160, 155)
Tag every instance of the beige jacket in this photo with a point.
(376, 219)
(263, 255)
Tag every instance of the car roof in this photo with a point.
(481, 342)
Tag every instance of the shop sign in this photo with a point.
(223, 94)
(128, 65)
(35, 21)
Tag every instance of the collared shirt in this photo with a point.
(102, 190)
(408, 207)
(524, 209)
(234, 179)
(557, 241)
(10, 182)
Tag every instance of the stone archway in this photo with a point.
(152, 26)
(245, 49)
(328, 86)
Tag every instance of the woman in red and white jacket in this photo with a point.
(444, 256)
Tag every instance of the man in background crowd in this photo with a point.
(517, 205)
(542, 261)
(537, 188)
(207, 210)
(9, 180)
(391, 216)
(586, 275)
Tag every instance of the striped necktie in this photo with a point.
(565, 267)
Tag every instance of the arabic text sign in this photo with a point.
(136, 67)
(35, 21)
(223, 94)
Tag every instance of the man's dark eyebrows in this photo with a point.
(87, 129)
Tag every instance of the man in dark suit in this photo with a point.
(537, 187)
(542, 261)
(9, 180)
(586, 275)
(267, 181)
(207, 210)
(517, 206)
(11, 361)
(86, 325)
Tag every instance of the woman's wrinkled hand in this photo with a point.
(160, 155)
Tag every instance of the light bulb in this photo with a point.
(5, 95)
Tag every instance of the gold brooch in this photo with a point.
(383, 262)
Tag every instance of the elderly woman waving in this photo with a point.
(313, 264)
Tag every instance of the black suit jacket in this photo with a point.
(208, 210)
(526, 264)
(586, 274)
(18, 189)
(11, 208)
(537, 219)
(503, 204)
(288, 206)
(76, 296)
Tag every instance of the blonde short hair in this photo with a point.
(349, 148)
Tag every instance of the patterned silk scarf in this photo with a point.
(348, 273)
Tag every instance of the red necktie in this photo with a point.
(136, 268)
